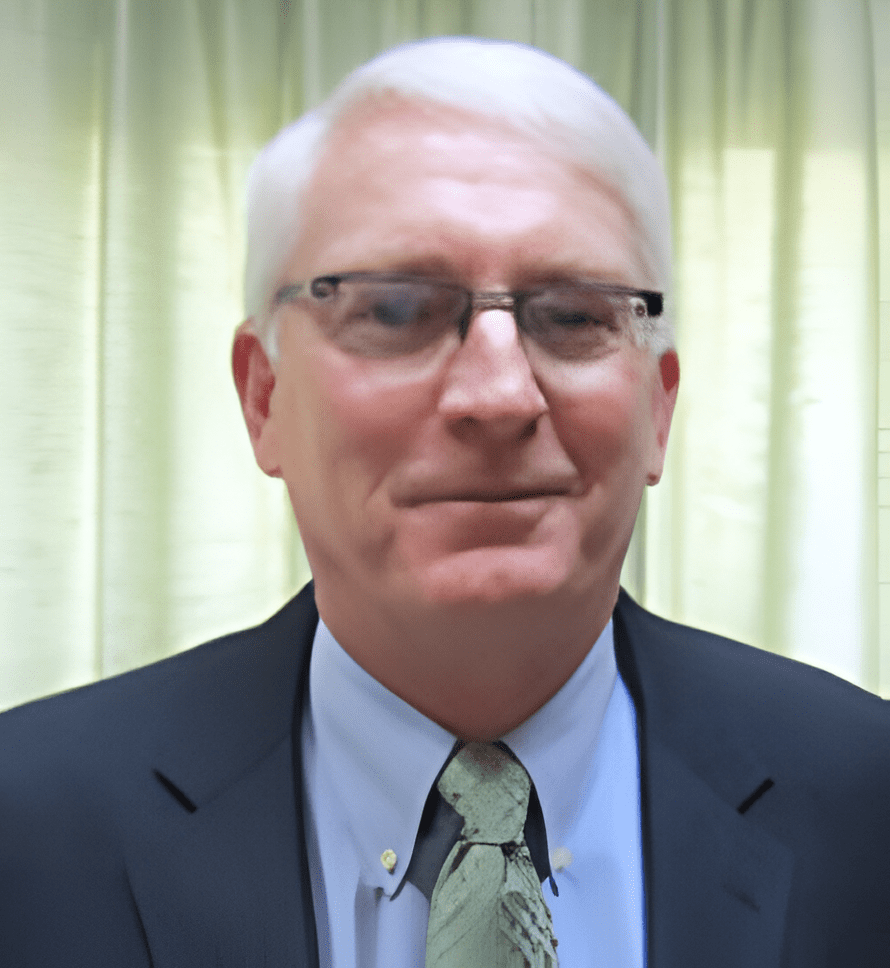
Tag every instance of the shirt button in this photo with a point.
(560, 858)
(388, 859)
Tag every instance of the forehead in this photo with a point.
(410, 184)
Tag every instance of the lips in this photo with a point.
(487, 495)
(506, 496)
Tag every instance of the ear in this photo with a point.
(255, 383)
(664, 399)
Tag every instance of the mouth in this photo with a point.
(497, 498)
(490, 496)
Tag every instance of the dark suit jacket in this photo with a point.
(155, 819)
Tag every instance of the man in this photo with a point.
(458, 360)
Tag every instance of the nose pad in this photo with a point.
(489, 381)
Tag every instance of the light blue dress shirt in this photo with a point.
(370, 760)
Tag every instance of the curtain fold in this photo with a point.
(771, 157)
(134, 522)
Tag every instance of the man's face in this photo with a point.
(480, 475)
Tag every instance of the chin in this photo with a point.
(494, 576)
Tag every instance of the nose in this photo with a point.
(490, 387)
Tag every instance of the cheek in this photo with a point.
(357, 421)
(603, 424)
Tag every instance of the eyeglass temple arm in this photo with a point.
(288, 293)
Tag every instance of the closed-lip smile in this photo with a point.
(485, 495)
(494, 497)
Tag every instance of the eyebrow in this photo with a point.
(431, 267)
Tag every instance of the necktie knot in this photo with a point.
(490, 791)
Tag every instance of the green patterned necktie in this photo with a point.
(487, 909)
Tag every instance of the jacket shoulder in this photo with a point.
(703, 688)
(92, 781)
(117, 722)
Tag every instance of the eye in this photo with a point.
(571, 318)
(573, 322)
(389, 318)
(393, 309)
(573, 308)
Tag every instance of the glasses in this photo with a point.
(382, 315)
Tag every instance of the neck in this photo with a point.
(478, 672)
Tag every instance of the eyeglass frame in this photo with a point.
(477, 301)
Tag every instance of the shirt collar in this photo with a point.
(381, 756)
(557, 744)
(382, 753)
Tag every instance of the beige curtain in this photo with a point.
(134, 522)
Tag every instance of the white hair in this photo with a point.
(528, 89)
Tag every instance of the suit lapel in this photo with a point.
(716, 884)
(218, 866)
(222, 887)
